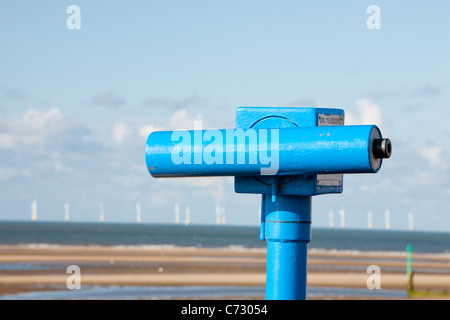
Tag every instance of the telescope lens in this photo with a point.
(382, 148)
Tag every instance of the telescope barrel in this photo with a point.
(277, 151)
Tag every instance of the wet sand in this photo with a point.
(34, 268)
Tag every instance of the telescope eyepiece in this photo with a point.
(382, 148)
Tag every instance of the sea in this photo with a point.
(212, 236)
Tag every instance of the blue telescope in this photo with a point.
(285, 154)
(250, 152)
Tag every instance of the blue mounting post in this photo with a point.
(285, 154)
(288, 232)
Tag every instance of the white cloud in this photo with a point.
(59, 167)
(31, 128)
(44, 142)
(434, 156)
(144, 131)
(9, 173)
(14, 141)
(178, 117)
(422, 178)
(42, 121)
(120, 131)
(351, 119)
(6, 173)
(369, 113)
(182, 120)
(6, 141)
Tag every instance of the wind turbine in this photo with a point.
(34, 212)
(177, 213)
(222, 211)
(102, 213)
(217, 214)
(342, 214)
(66, 210)
(387, 216)
(138, 212)
(187, 215)
(331, 219)
(411, 222)
(369, 220)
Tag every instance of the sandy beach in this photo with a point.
(29, 268)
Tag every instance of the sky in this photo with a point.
(76, 105)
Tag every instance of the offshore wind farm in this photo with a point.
(220, 217)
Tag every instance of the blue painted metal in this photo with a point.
(287, 231)
(308, 144)
(301, 151)
(284, 117)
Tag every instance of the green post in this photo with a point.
(408, 267)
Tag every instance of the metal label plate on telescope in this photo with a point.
(329, 180)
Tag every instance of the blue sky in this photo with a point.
(76, 105)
